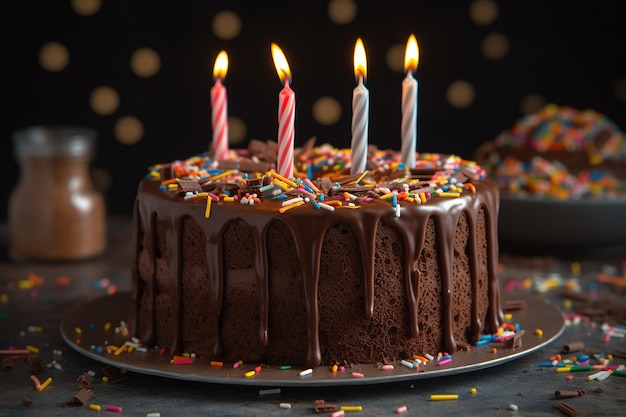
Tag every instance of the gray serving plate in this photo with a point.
(92, 316)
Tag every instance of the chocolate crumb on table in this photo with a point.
(567, 409)
(80, 399)
(36, 364)
(569, 393)
(573, 347)
(321, 406)
(7, 363)
(84, 381)
(114, 374)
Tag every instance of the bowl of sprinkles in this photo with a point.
(562, 179)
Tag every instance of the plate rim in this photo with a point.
(151, 363)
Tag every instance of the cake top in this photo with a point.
(321, 177)
(559, 153)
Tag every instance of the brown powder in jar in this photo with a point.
(54, 212)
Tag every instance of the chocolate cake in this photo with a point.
(235, 262)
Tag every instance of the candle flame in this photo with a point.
(280, 62)
(411, 54)
(360, 60)
(221, 66)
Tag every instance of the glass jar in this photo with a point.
(54, 212)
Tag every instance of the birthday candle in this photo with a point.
(409, 104)
(219, 116)
(286, 114)
(360, 111)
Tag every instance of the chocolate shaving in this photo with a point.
(398, 173)
(244, 165)
(471, 175)
(515, 341)
(308, 146)
(81, 398)
(419, 187)
(265, 151)
(36, 364)
(84, 381)
(460, 177)
(271, 151)
(352, 190)
(348, 179)
(573, 347)
(115, 375)
(166, 171)
(423, 173)
(325, 185)
(395, 185)
(321, 406)
(569, 393)
(73, 403)
(185, 186)
(207, 185)
(258, 182)
(514, 305)
(567, 409)
(7, 363)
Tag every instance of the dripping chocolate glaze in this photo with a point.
(308, 227)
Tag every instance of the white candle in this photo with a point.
(360, 111)
(286, 115)
(219, 115)
(409, 104)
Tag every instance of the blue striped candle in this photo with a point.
(409, 104)
(360, 111)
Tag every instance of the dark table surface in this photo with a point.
(35, 297)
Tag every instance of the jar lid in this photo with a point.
(54, 140)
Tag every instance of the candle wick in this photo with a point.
(284, 76)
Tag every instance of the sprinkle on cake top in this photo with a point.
(321, 177)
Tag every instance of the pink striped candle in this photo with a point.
(360, 111)
(219, 116)
(409, 104)
(286, 114)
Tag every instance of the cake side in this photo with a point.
(314, 287)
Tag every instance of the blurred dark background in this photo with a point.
(140, 71)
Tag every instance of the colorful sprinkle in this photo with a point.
(443, 397)
(44, 384)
